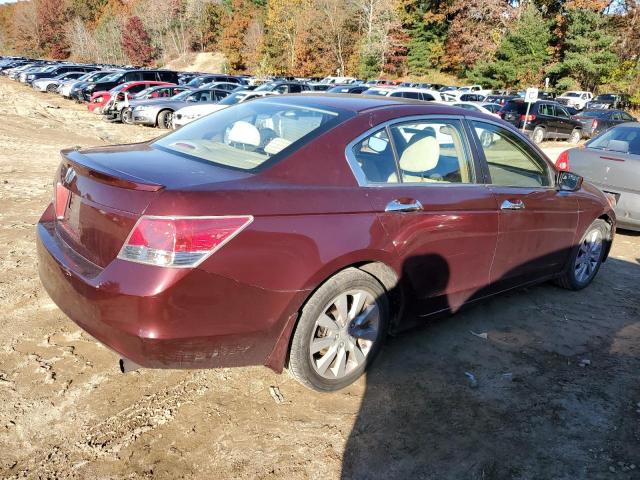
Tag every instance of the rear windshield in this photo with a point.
(627, 137)
(595, 114)
(515, 106)
(571, 94)
(606, 97)
(247, 135)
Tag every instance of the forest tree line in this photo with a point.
(587, 44)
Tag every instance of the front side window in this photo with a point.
(562, 113)
(510, 160)
(247, 135)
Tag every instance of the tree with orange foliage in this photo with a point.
(136, 42)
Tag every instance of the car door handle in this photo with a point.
(509, 205)
(398, 206)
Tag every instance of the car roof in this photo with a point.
(360, 103)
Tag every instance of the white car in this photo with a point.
(229, 86)
(51, 84)
(473, 106)
(406, 92)
(576, 99)
(190, 113)
(416, 94)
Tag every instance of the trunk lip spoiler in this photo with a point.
(83, 163)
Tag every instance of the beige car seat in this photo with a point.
(419, 157)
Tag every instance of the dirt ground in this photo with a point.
(557, 394)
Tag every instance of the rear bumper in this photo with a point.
(628, 211)
(165, 318)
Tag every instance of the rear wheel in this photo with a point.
(341, 328)
(587, 257)
(52, 88)
(165, 119)
(575, 136)
(538, 135)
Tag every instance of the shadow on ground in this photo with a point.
(556, 394)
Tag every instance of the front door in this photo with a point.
(565, 125)
(421, 178)
(537, 221)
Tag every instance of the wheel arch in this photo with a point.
(612, 231)
(380, 270)
(160, 112)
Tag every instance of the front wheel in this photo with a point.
(587, 257)
(127, 116)
(341, 328)
(165, 119)
(538, 135)
(575, 136)
(52, 88)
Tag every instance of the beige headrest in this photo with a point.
(420, 156)
(274, 146)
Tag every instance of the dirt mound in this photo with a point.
(213, 62)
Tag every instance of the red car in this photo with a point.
(298, 230)
(99, 99)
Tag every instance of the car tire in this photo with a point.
(164, 119)
(586, 257)
(344, 357)
(576, 136)
(127, 116)
(52, 88)
(538, 135)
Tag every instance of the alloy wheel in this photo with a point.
(589, 256)
(344, 334)
(167, 120)
(538, 136)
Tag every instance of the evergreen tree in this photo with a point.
(522, 55)
(588, 49)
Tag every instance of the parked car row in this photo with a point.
(154, 97)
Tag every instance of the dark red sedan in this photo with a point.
(298, 230)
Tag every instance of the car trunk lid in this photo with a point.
(101, 193)
(612, 171)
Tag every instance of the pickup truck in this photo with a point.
(575, 99)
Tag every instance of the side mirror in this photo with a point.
(569, 182)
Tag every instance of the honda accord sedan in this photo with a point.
(297, 231)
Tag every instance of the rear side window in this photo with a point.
(249, 135)
(423, 152)
(546, 109)
(428, 97)
(432, 151)
(514, 106)
(510, 160)
(131, 77)
(374, 156)
(149, 76)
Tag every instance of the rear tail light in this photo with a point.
(594, 124)
(527, 118)
(60, 200)
(183, 242)
(562, 163)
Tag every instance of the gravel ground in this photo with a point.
(556, 392)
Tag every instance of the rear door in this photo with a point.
(537, 222)
(422, 180)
